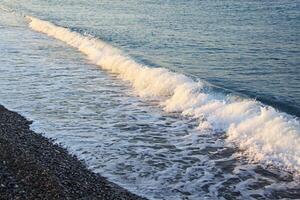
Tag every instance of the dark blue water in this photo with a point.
(250, 47)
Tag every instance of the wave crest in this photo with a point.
(266, 135)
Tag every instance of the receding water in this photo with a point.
(128, 137)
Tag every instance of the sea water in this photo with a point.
(169, 99)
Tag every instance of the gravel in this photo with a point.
(33, 167)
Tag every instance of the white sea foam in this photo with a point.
(265, 135)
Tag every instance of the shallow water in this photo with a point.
(249, 47)
(123, 136)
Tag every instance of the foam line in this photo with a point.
(265, 134)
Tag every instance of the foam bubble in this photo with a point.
(266, 135)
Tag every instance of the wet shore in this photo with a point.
(33, 167)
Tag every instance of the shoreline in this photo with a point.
(33, 167)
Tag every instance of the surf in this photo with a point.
(264, 134)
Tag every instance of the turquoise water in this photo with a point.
(195, 132)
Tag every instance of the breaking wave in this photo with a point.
(264, 134)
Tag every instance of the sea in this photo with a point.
(170, 99)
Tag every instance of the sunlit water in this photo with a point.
(249, 47)
(127, 138)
